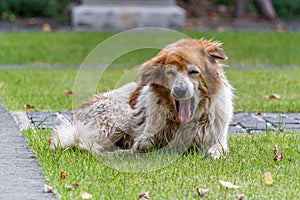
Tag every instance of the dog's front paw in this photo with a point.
(215, 151)
(53, 141)
(142, 145)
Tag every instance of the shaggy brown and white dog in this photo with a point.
(183, 99)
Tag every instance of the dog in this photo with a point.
(183, 100)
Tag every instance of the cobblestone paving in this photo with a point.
(241, 123)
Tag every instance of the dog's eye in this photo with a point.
(171, 73)
(193, 72)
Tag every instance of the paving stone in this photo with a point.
(291, 126)
(275, 118)
(41, 114)
(248, 121)
(232, 129)
(66, 113)
(237, 116)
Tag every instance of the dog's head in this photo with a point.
(188, 71)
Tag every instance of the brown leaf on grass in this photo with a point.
(229, 184)
(86, 195)
(28, 106)
(63, 175)
(239, 196)
(277, 155)
(144, 196)
(202, 191)
(47, 188)
(67, 92)
(18, 82)
(72, 186)
(267, 178)
(274, 96)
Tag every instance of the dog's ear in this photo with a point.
(152, 70)
(213, 48)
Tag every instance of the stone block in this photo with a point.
(122, 16)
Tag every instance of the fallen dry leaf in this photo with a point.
(47, 188)
(228, 184)
(72, 186)
(277, 155)
(63, 175)
(279, 27)
(86, 195)
(14, 28)
(28, 106)
(46, 27)
(274, 96)
(202, 192)
(18, 82)
(239, 196)
(267, 178)
(32, 21)
(67, 92)
(144, 196)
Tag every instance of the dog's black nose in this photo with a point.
(179, 92)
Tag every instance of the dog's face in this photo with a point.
(189, 71)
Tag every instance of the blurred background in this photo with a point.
(107, 15)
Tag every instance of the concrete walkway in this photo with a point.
(21, 177)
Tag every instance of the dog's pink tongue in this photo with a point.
(184, 110)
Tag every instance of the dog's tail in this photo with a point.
(64, 135)
(73, 133)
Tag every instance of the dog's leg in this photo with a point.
(142, 144)
(153, 124)
(215, 151)
(217, 130)
(215, 138)
(213, 135)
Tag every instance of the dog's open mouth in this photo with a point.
(185, 109)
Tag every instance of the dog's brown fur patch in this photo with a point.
(134, 95)
(90, 101)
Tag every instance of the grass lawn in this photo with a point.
(243, 48)
(250, 157)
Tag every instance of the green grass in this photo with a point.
(68, 48)
(249, 158)
(47, 48)
(43, 88)
(253, 87)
